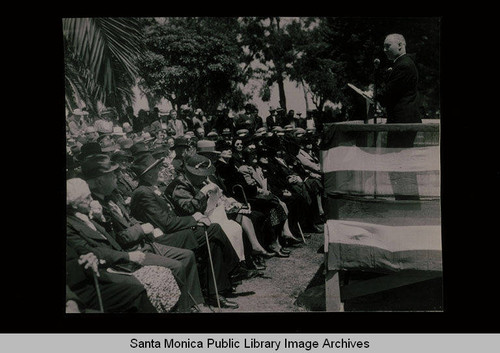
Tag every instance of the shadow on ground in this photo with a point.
(423, 296)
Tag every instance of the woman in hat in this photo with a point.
(85, 235)
(262, 199)
(250, 220)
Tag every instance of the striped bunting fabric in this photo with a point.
(383, 204)
(381, 171)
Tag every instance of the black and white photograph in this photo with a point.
(252, 165)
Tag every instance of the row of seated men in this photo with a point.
(181, 226)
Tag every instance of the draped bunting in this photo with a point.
(383, 172)
(383, 205)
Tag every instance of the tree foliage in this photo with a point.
(273, 42)
(205, 61)
(192, 61)
(353, 43)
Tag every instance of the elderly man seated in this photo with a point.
(165, 276)
(192, 192)
(116, 296)
(150, 205)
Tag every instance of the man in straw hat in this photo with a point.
(149, 204)
(141, 238)
(76, 122)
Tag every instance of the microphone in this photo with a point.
(376, 63)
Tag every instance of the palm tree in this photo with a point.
(99, 61)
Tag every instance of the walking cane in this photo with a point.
(302, 234)
(243, 192)
(212, 267)
(96, 283)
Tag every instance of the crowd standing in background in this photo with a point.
(174, 209)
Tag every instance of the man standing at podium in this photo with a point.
(399, 93)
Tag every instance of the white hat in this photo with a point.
(80, 112)
(127, 127)
(147, 136)
(117, 130)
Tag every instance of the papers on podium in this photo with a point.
(362, 93)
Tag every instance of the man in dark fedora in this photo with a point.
(149, 204)
(132, 235)
(125, 179)
(88, 149)
(139, 148)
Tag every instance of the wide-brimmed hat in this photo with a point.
(199, 165)
(125, 143)
(96, 165)
(88, 149)
(160, 151)
(181, 141)
(139, 148)
(147, 136)
(212, 134)
(226, 131)
(206, 146)
(137, 139)
(103, 135)
(108, 145)
(242, 132)
(127, 128)
(299, 132)
(90, 129)
(118, 131)
(144, 163)
(121, 155)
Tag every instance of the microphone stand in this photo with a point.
(375, 69)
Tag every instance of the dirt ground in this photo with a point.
(285, 279)
(296, 284)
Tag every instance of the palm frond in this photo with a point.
(104, 45)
